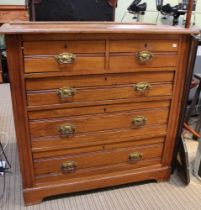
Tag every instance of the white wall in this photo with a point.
(150, 16)
(151, 13)
(15, 2)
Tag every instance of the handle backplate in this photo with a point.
(65, 92)
(135, 156)
(68, 167)
(139, 121)
(66, 130)
(143, 57)
(142, 87)
(65, 58)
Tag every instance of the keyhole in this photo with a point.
(65, 46)
(145, 45)
(105, 109)
(105, 78)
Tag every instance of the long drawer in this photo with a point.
(92, 123)
(72, 166)
(45, 83)
(90, 110)
(52, 147)
(96, 94)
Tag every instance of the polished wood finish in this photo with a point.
(90, 160)
(69, 147)
(13, 13)
(99, 122)
(98, 80)
(90, 110)
(109, 116)
(82, 65)
(121, 63)
(93, 28)
(189, 13)
(57, 47)
(83, 96)
(140, 45)
(20, 112)
(47, 144)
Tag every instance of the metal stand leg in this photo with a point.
(194, 101)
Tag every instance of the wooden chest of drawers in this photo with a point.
(95, 105)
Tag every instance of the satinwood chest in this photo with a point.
(95, 104)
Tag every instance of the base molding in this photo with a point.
(35, 195)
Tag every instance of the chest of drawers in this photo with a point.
(95, 104)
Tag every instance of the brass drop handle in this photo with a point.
(65, 92)
(142, 87)
(144, 57)
(68, 167)
(139, 121)
(135, 156)
(65, 58)
(66, 130)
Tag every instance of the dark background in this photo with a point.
(71, 10)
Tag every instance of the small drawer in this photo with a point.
(57, 47)
(71, 64)
(74, 96)
(143, 45)
(46, 83)
(143, 62)
(72, 166)
(69, 127)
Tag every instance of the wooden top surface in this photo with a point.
(91, 27)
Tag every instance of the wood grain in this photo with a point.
(52, 152)
(96, 94)
(81, 65)
(97, 80)
(143, 45)
(112, 168)
(99, 122)
(177, 99)
(90, 110)
(97, 159)
(92, 27)
(57, 47)
(13, 44)
(104, 75)
(56, 143)
(125, 62)
(13, 13)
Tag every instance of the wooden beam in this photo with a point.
(189, 13)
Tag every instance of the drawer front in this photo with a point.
(97, 80)
(88, 172)
(129, 62)
(143, 45)
(81, 143)
(84, 124)
(70, 112)
(79, 65)
(88, 95)
(57, 47)
(72, 165)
